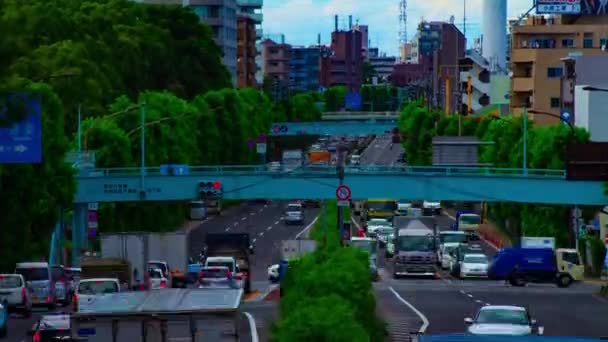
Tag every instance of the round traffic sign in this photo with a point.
(343, 193)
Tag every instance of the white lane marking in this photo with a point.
(277, 222)
(307, 228)
(478, 301)
(488, 304)
(425, 321)
(259, 211)
(265, 205)
(251, 214)
(252, 327)
(254, 240)
(269, 228)
(227, 229)
(261, 234)
(462, 292)
(243, 219)
(470, 295)
(235, 224)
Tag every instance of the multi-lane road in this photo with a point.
(408, 305)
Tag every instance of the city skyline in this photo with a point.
(301, 20)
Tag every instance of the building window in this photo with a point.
(568, 43)
(555, 102)
(588, 41)
(554, 72)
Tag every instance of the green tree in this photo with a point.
(334, 98)
(32, 193)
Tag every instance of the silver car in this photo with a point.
(294, 214)
(502, 320)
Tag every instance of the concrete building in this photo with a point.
(246, 52)
(344, 66)
(383, 66)
(304, 68)
(537, 48)
(253, 9)
(476, 69)
(444, 44)
(276, 60)
(584, 94)
(221, 16)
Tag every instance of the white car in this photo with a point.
(447, 254)
(474, 265)
(157, 280)
(430, 207)
(375, 224)
(502, 320)
(14, 292)
(88, 289)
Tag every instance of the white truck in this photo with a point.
(167, 251)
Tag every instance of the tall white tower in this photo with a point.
(494, 28)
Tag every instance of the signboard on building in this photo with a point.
(561, 6)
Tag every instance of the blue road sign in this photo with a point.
(22, 142)
(566, 117)
(352, 101)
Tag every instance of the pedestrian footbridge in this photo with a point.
(334, 127)
(475, 184)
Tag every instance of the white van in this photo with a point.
(198, 210)
(37, 276)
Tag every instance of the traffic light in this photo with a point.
(209, 189)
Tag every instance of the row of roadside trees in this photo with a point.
(107, 57)
(546, 150)
(327, 295)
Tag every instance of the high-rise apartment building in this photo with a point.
(538, 46)
(221, 16)
(253, 9)
(246, 52)
(345, 65)
(304, 67)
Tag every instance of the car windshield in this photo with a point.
(381, 206)
(502, 316)
(449, 249)
(469, 219)
(475, 259)
(215, 272)
(9, 282)
(159, 265)
(446, 238)
(384, 231)
(33, 274)
(294, 207)
(378, 222)
(97, 287)
(227, 264)
(57, 273)
(416, 243)
(365, 245)
(156, 273)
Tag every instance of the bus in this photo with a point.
(381, 208)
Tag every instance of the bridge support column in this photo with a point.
(79, 232)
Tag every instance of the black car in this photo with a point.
(52, 328)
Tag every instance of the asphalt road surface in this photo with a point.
(440, 306)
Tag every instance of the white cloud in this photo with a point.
(302, 20)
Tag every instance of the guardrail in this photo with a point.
(322, 170)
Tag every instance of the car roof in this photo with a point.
(358, 238)
(32, 265)
(452, 232)
(6, 275)
(475, 255)
(503, 307)
(451, 244)
(214, 268)
(97, 279)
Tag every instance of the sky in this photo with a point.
(301, 20)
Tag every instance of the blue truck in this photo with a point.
(538, 265)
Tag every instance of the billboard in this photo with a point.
(560, 6)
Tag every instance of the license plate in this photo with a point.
(86, 332)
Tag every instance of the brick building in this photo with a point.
(246, 51)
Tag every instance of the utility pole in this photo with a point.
(142, 173)
(340, 171)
